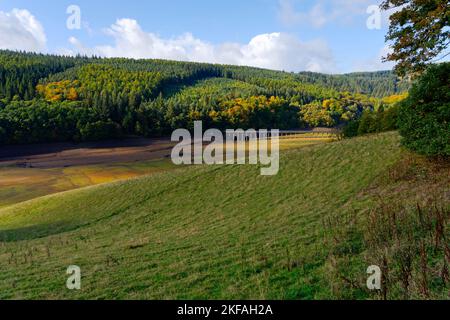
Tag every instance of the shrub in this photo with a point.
(389, 119)
(424, 117)
(385, 119)
(368, 123)
(351, 129)
(100, 130)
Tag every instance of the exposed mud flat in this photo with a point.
(63, 155)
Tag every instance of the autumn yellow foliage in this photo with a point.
(59, 91)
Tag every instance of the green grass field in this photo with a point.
(224, 232)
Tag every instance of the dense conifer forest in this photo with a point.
(46, 98)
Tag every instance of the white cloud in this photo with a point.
(278, 51)
(289, 16)
(323, 12)
(20, 30)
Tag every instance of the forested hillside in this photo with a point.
(46, 98)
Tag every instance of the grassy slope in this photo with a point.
(199, 232)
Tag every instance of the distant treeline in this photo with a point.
(47, 98)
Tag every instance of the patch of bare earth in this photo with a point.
(63, 155)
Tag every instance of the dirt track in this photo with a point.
(62, 155)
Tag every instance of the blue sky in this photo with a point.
(294, 35)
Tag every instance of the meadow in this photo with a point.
(225, 232)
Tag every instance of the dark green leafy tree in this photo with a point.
(424, 117)
(419, 32)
